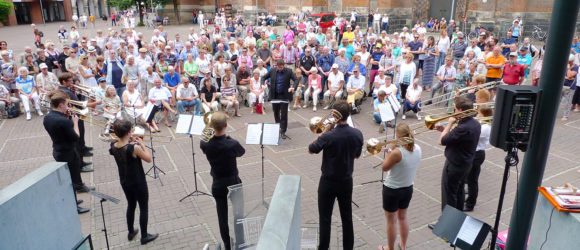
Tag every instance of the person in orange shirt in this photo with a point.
(494, 65)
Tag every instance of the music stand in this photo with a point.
(460, 230)
(155, 168)
(388, 111)
(104, 198)
(263, 134)
(191, 125)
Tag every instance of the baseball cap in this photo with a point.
(102, 79)
(43, 66)
(524, 48)
(378, 46)
(143, 50)
(355, 69)
(482, 34)
(335, 66)
(513, 54)
(461, 36)
(74, 45)
(167, 47)
(93, 40)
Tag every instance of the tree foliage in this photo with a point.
(5, 10)
(127, 4)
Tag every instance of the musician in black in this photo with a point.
(341, 146)
(64, 133)
(460, 145)
(128, 152)
(66, 83)
(221, 152)
(280, 90)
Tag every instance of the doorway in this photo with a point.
(22, 12)
(441, 8)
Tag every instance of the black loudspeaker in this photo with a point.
(514, 116)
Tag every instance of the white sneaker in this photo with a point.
(314, 109)
(327, 106)
(39, 112)
(28, 116)
(404, 117)
(418, 117)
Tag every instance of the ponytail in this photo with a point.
(403, 130)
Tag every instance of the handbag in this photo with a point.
(259, 108)
(13, 112)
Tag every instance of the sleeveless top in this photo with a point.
(134, 98)
(403, 173)
(131, 171)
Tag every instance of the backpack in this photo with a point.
(41, 34)
(13, 112)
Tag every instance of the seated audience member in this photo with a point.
(187, 96)
(335, 85)
(299, 88)
(381, 98)
(134, 104)
(313, 89)
(46, 81)
(171, 80)
(413, 99)
(243, 80)
(389, 87)
(209, 96)
(229, 96)
(6, 100)
(27, 90)
(257, 93)
(160, 97)
(111, 104)
(355, 88)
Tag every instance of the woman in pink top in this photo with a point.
(244, 57)
(288, 35)
(314, 88)
(302, 27)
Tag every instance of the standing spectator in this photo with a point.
(507, 43)
(443, 46)
(431, 52)
(370, 20)
(446, 76)
(385, 23)
(459, 48)
(113, 19)
(537, 71)
(525, 60)
(568, 92)
(494, 65)
(416, 48)
(513, 72)
(113, 71)
(75, 19)
(377, 21)
(517, 30)
(407, 73)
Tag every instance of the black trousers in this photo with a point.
(281, 115)
(473, 177)
(452, 183)
(137, 194)
(82, 144)
(74, 162)
(219, 190)
(154, 111)
(328, 192)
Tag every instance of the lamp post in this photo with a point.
(140, 9)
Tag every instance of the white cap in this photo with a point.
(335, 66)
(571, 58)
(43, 66)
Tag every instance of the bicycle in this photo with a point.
(539, 34)
(478, 30)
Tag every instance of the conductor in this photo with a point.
(341, 146)
(281, 93)
(221, 152)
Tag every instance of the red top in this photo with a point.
(512, 74)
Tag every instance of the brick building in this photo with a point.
(28, 11)
(490, 13)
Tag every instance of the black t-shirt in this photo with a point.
(221, 152)
(130, 168)
(208, 93)
(61, 131)
(307, 62)
(461, 142)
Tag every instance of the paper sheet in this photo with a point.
(386, 112)
(279, 101)
(349, 121)
(469, 230)
(392, 99)
(183, 124)
(271, 134)
(148, 110)
(197, 126)
(254, 133)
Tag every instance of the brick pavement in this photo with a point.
(24, 146)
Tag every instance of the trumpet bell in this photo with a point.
(372, 146)
(82, 104)
(315, 125)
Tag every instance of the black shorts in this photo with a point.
(398, 198)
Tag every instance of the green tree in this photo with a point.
(5, 11)
(127, 4)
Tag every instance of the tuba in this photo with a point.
(318, 125)
(208, 132)
(374, 146)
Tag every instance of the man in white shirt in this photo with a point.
(446, 76)
(413, 99)
(377, 21)
(385, 23)
(473, 47)
(159, 97)
(45, 82)
(187, 96)
(143, 61)
(335, 83)
(157, 37)
(355, 88)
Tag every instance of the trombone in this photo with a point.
(318, 125)
(488, 104)
(81, 104)
(374, 146)
(109, 136)
(84, 90)
(459, 92)
(430, 121)
(208, 132)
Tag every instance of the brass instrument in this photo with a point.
(374, 146)
(138, 132)
(488, 104)
(487, 85)
(82, 104)
(430, 121)
(84, 91)
(82, 113)
(485, 120)
(318, 125)
(208, 132)
(446, 97)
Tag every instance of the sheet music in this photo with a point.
(197, 126)
(386, 112)
(139, 131)
(183, 124)
(469, 230)
(148, 110)
(271, 134)
(349, 121)
(279, 101)
(392, 99)
(254, 133)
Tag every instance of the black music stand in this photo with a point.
(460, 230)
(155, 168)
(188, 124)
(104, 198)
(263, 134)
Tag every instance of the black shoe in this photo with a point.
(148, 238)
(84, 189)
(86, 163)
(283, 136)
(87, 149)
(468, 209)
(87, 154)
(427, 103)
(79, 202)
(82, 210)
(132, 235)
(86, 170)
(431, 226)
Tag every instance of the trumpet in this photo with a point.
(374, 146)
(208, 132)
(318, 125)
(430, 121)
